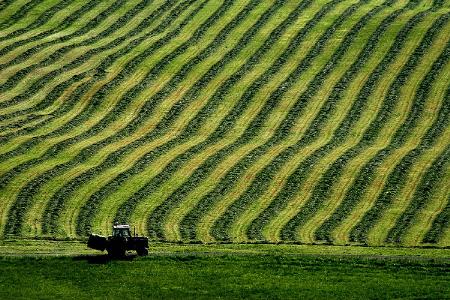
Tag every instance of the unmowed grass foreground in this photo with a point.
(67, 269)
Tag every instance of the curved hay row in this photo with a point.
(213, 204)
(416, 233)
(140, 149)
(116, 68)
(341, 233)
(64, 29)
(239, 228)
(47, 18)
(245, 106)
(106, 12)
(275, 226)
(127, 51)
(91, 150)
(111, 204)
(312, 224)
(165, 106)
(243, 125)
(53, 63)
(380, 230)
(21, 14)
(118, 85)
(116, 95)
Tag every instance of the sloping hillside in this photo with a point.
(314, 121)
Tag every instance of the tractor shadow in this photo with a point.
(100, 259)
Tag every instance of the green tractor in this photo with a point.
(119, 242)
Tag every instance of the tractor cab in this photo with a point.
(121, 231)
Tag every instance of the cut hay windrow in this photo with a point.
(346, 205)
(188, 225)
(201, 118)
(65, 24)
(226, 121)
(192, 94)
(116, 13)
(98, 96)
(251, 129)
(308, 209)
(189, 96)
(91, 54)
(359, 232)
(100, 73)
(423, 193)
(20, 13)
(149, 106)
(225, 124)
(223, 223)
(441, 223)
(40, 21)
(396, 179)
(271, 174)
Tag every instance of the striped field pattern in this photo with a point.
(275, 121)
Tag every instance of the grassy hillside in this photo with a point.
(314, 121)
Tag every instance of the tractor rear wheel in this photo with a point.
(142, 251)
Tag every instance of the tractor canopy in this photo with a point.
(121, 231)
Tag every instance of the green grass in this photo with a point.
(222, 271)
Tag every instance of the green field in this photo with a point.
(238, 121)
(67, 270)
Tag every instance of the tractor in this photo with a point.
(119, 242)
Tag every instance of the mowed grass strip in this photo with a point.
(115, 68)
(350, 201)
(265, 225)
(105, 13)
(35, 76)
(86, 153)
(320, 192)
(252, 37)
(130, 141)
(229, 120)
(69, 22)
(356, 122)
(122, 70)
(90, 60)
(384, 146)
(268, 116)
(265, 181)
(254, 120)
(430, 195)
(86, 113)
(150, 106)
(284, 210)
(122, 101)
(334, 54)
(183, 121)
(202, 117)
(45, 20)
(430, 200)
(171, 178)
(409, 164)
(22, 14)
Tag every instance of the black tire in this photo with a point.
(116, 252)
(142, 252)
